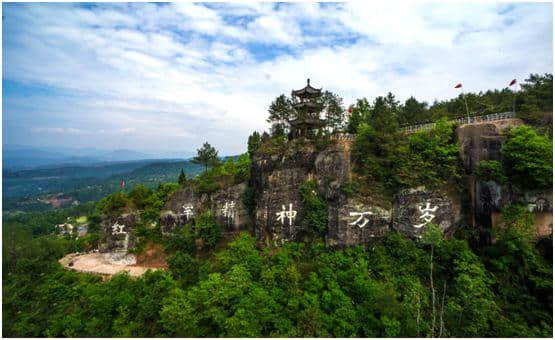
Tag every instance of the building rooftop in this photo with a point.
(307, 91)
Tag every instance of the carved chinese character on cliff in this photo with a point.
(291, 214)
(118, 229)
(361, 221)
(426, 216)
(188, 211)
(228, 210)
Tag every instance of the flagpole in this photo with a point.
(514, 95)
(466, 105)
(459, 85)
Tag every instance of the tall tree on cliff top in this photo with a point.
(537, 93)
(207, 156)
(253, 143)
(413, 112)
(334, 111)
(281, 111)
(182, 178)
(359, 112)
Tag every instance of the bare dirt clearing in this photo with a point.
(106, 264)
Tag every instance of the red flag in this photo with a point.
(458, 86)
(512, 82)
(350, 109)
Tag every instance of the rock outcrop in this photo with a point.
(414, 208)
(277, 176)
(277, 180)
(225, 204)
(118, 233)
(351, 220)
(482, 141)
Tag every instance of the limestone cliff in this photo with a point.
(351, 220)
(225, 204)
(482, 142)
(278, 173)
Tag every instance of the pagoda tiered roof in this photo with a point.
(307, 91)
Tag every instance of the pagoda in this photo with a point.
(308, 107)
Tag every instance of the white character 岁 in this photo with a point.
(426, 216)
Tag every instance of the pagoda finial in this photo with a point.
(308, 81)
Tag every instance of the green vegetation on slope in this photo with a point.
(298, 290)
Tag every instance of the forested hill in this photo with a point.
(441, 233)
(22, 189)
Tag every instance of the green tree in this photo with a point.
(333, 110)
(184, 268)
(207, 156)
(140, 195)
(114, 204)
(537, 93)
(280, 112)
(528, 158)
(315, 209)
(491, 171)
(413, 112)
(207, 229)
(182, 179)
(359, 113)
(253, 143)
(523, 278)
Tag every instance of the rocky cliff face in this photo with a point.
(277, 177)
(277, 180)
(118, 233)
(351, 220)
(482, 142)
(357, 220)
(414, 208)
(226, 206)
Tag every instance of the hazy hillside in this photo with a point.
(20, 157)
(22, 189)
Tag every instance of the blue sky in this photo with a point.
(167, 77)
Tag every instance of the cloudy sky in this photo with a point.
(167, 77)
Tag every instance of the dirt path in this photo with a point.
(106, 264)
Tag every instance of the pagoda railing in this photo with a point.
(463, 120)
(343, 136)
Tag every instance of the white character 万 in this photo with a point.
(361, 221)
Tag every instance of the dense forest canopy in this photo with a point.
(394, 287)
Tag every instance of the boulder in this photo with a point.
(181, 208)
(414, 208)
(356, 223)
(482, 141)
(228, 208)
(118, 233)
(333, 169)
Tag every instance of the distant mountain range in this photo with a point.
(19, 157)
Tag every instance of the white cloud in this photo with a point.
(171, 76)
